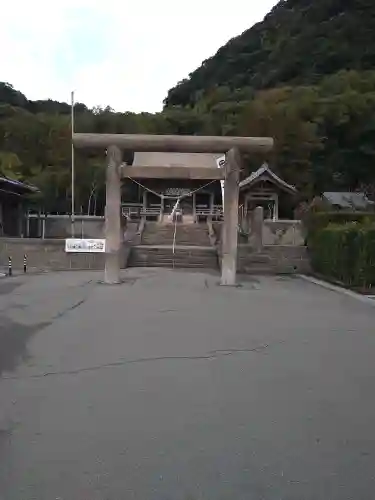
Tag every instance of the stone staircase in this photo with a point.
(254, 263)
(192, 257)
(186, 234)
(192, 247)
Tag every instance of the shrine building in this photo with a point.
(200, 199)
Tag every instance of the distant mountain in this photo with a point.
(298, 43)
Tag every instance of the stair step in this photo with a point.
(258, 269)
(258, 259)
(182, 234)
(189, 257)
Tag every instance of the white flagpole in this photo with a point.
(73, 170)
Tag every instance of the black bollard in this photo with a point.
(9, 266)
(25, 263)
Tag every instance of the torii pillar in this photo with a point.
(230, 227)
(116, 143)
(112, 226)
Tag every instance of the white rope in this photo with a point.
(173, 215)
(198, 189)
(174, 239)
(150, 190)
(174, 210)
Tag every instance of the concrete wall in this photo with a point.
(283, 251)
(49, 255)
(59, 226)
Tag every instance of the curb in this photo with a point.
(338, 289)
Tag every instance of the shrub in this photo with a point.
(345, 253)
(316, 221)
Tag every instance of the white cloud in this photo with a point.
(123, 54)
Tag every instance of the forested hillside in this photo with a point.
(298, 43)
(35, 146)
(308, 83)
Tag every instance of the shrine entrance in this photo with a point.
(268, 203)
(186, 206)
(115, 144)
(168, 205)
(172, 195)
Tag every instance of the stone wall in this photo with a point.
(275, 259)
(49, 255)
(283, 232)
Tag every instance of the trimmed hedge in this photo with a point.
(345, 253)
(315, 221)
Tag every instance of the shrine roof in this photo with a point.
(265, 173)
(13, 186)
(356, 200)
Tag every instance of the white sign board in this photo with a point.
(84, 246)
(220, 162)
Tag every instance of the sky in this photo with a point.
(121, 53)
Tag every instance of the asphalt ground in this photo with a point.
(170, 387)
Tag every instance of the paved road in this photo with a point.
(169, 387)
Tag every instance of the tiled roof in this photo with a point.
(17, 185)
(265, 172)
(347, 200)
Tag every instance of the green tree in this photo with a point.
(10, 165)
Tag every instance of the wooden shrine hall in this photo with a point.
(154, 198)
(201, 198)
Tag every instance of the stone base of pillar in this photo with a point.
(228, 273)
(111, 269)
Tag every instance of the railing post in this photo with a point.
(258, 221)
(161, 213)
(44, 227)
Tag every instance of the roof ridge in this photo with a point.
(261, 170)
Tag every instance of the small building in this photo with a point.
(155, 199)
(264, 188)
(348, 201)
(12, 205)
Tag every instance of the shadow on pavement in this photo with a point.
(13, 341)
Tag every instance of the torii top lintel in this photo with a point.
(173, 143)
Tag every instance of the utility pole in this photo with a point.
(73, 171)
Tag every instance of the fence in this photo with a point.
(60, 226)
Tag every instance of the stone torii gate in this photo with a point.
(116, 143)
